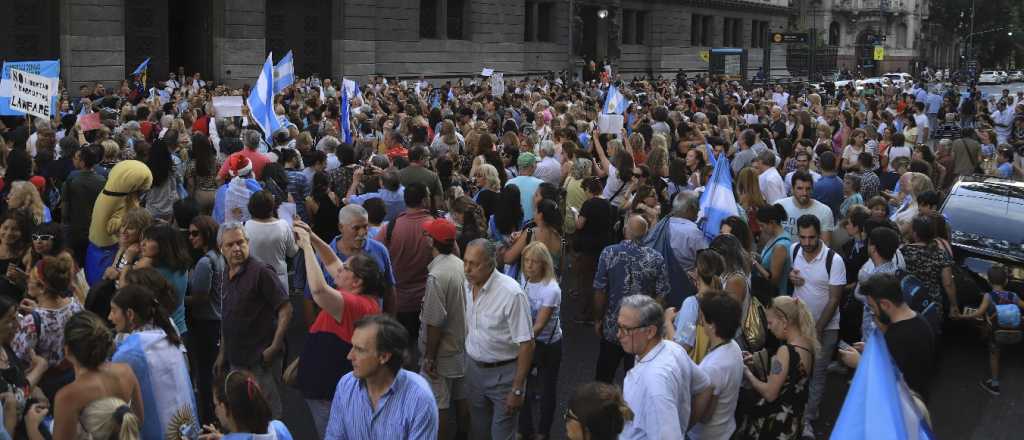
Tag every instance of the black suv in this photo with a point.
(986, 220)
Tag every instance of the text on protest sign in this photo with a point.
(31, 93)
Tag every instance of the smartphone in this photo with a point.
(968, 311)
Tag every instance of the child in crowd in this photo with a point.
(1001, 310)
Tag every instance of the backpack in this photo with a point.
(828, 260)
(916, 296)
(1007, 313)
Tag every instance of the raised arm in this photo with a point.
(325, 296)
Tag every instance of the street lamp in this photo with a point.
(602, 13)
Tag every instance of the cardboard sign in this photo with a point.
(487, 72)
(31, 93)
(609, 124)
(497, 84)
(227, 106)
(47, 69)
(89, 122)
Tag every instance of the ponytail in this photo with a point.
(147, 308)
(110, 418)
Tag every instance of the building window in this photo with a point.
(428, 18)
(641, 27)
(633, 26)
(732, 33)
(833, 34)
(539, 22)
(700, 30)
(901, 36)
(758, 34)
(455, 19)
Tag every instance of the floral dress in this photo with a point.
(926, 262)
(784, 418)
(43, 331)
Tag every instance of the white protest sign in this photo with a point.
(31, 93)
(487, 72)
(609, 124)
(497, 84)
(227, 106)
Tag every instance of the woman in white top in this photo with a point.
(270, 239)
(545, 302)
(724, 366)
(852, 151)
(898, 149)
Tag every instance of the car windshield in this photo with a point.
(972, 208)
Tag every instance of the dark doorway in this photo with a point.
(145, 36)
(29, 31)
(303, 27)
(594, 41)
(866, 42)
(190, 36)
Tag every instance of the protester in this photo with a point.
(203, 305)
(244, 410)
(995, 305)
(272, 240)
(545, 298)
(499, 344)
(596, 412)
(164, 249)
(80, 191)
(255, 315)
(15, 244)
(723, 365)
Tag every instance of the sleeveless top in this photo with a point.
(783, 418)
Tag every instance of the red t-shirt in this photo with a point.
(356, 307)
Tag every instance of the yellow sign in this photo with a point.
(705, 56)
(879, 53)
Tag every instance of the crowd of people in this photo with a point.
(153, 265)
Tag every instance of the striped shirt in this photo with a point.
(406, 411)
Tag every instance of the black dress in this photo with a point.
(784, 418)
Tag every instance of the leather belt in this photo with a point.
(494, 364)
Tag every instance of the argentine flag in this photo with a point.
(261, 100)
(351, 88)
(879, 404)
(614, 102)
(717, 202)
(170, 405)
(284, 73)
(142, 68)
(345, 122)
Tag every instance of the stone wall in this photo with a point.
(239, 42)
(92, 42)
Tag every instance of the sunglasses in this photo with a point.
(42, 237)
(193, 233)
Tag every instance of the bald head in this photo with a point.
(635, 228)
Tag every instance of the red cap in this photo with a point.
(239, 165)
(440, 229)
(39, 182)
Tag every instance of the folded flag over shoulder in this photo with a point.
(615, 102)
(284, 73)
(261, 100)
(717, 202)
(165, 384)
(878, 403)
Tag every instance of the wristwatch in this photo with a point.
(517, 392)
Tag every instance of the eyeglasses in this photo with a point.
(42, 237)
(628, 330)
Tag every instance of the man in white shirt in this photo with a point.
(499, 344)
(801, 203)
(723, 364)
(768, 177)
(818, 277)
(921, 119)
(803, 163)
(664, 383)
(1003, 119)
(780, 97)
(548, 169)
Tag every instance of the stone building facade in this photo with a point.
(227, 40)
(855, 27)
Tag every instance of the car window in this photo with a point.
(972, 207)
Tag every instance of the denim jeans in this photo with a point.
(829, 339)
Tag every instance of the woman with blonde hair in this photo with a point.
(110, 418)
(749, 196)
(488, 184)
(545, 297)
(447, 141)
(575, 194)
(725, 129)
(782, 388)
(24, 196)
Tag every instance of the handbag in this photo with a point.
(701, 343)
(754, 326)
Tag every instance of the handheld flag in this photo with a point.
(718, 201)
(614, 102)
(142, 70)
(435, 101)
(351, 88)
(878, 403)
(284, 73)
(451, 95)
(345, 122)
(261, 100)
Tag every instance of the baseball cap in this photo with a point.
(526, 160)
(440, 230)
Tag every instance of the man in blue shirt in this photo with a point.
(390, 191)
(829, 188)
(527, 184)
(1005, 166)
(379, 399)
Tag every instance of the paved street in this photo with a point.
(959, 408)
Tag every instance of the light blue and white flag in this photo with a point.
(717, 202)
(284, 73)
(614, 102)
(142, 68)
(451, 94)
(345, 122)
(170, 405)
(878, 403)
(261, 100)
(351, 88)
